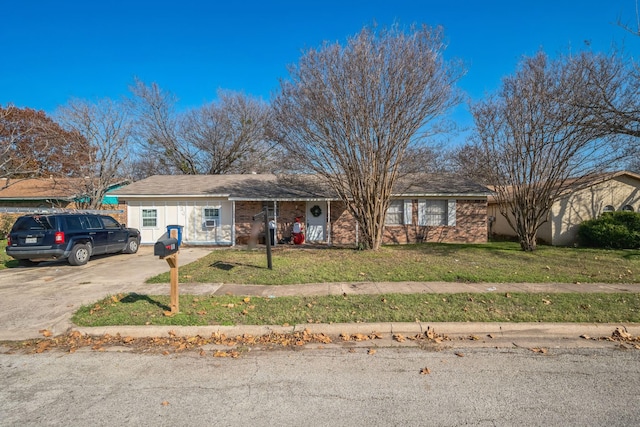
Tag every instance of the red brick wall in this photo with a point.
(471, 227)
(471, 224)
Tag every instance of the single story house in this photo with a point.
(224, 209)
(49, 193)
(582, 200)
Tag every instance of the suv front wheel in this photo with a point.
(80, 254)
(132, 246)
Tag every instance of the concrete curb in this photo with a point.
(451, 329)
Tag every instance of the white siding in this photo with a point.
(188, 214)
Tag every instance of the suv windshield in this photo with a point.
(27, 223)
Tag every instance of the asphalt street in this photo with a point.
(324, 387)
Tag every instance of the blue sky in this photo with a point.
(57, 50)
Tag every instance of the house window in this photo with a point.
(608, 208)
(628, 208)
(395, 213)
(210, 217)
(149, 217)
(433, 213)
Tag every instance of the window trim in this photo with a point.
(206, 219)
(399, 208)
(143, 218)
(448, 216)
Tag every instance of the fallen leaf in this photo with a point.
(371, 351)
(165, 403)
(459, 354)
(540, 350)
(399, 337)
(425, 371)
(546, 301)
(621, 333)
(45, 332)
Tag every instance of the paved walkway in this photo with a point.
(411, 287)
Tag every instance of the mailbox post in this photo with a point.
(167, 249)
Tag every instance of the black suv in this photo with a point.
(72, 236)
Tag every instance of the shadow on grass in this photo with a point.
(631, 255)
(450, 249)
(222, 266)
(226, 266)
(133, 298)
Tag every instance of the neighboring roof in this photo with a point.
(38, 189)
(67, 189)
(284, 187)
(576, 184)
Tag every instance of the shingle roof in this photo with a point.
(67, 189)
(284, 187)
(40, 188)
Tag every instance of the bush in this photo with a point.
(615, 230)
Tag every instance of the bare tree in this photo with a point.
(469, 161)
(629, 28)
(33, 145)
(609, 95)
(107, 127)
(228, 136)
(158, 129)
(535, 141)
(349, 113)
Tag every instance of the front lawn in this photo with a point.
(498, 262)
(4, 258)
(136, 309)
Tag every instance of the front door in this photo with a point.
(316, 222)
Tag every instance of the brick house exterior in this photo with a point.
(225, 209)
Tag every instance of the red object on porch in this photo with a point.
(298, 238)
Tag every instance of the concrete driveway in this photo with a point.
(45, 296)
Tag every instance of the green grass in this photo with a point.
(136, 309)
(496, 262)
(5, 260)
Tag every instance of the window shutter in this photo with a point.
(451, 212)
(422, 208)
(408, 212)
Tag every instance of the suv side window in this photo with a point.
(73, 223)
(34, 222)
(92, 222)
(110, 223)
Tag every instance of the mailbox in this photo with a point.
(165, 247)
